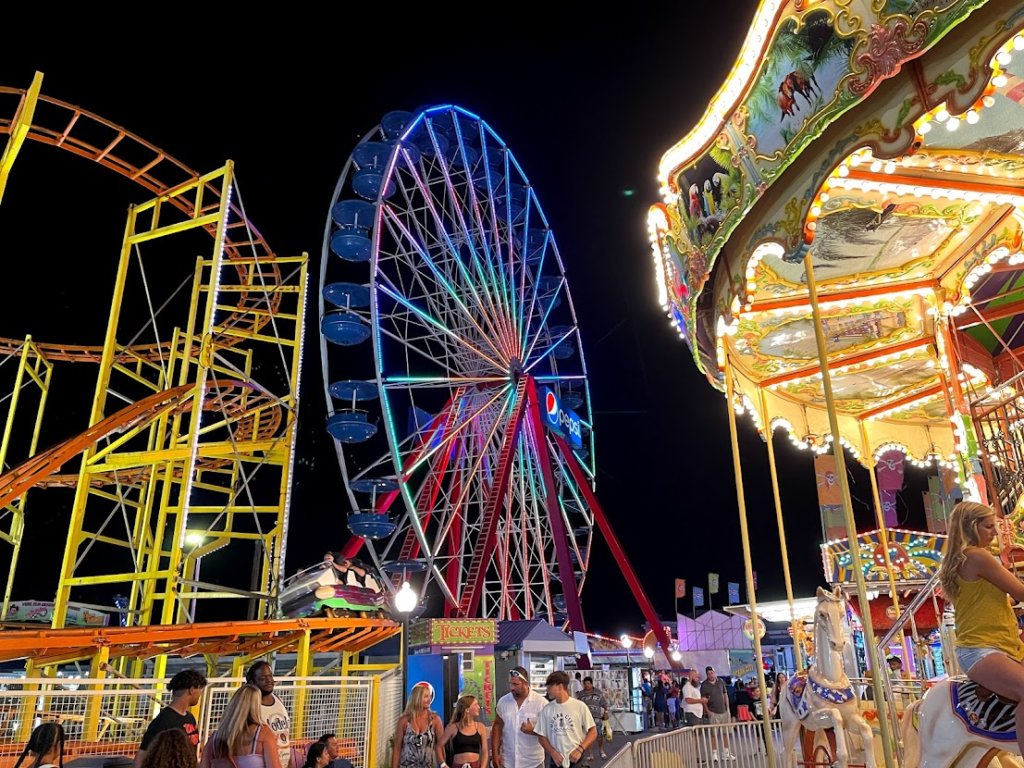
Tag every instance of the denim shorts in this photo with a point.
(968, 657)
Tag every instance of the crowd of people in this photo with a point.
(562, 729)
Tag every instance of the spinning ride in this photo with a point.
(839, 242)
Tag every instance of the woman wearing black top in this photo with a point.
(466, 736)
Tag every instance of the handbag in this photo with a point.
(606, 727)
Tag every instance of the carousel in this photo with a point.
(839, 245)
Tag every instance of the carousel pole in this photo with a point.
(851, 525)
(793, 620)
(880, 517)
(748, 562)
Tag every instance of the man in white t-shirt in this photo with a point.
(693, 703)
(565, 726)
(512, 743)
(272, 709)
(576, 685)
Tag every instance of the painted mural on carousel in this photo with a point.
(816, 61)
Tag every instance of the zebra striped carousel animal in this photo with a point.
(823, 697)
(959, 723)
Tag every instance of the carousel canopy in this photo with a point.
(887, 139)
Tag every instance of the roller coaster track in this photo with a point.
(98, 140)
(234, 400)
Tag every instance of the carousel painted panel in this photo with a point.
(915, 556)
(774, 343)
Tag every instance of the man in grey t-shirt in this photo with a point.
(712, 690)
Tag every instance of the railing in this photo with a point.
(109, 716)
(730, 745)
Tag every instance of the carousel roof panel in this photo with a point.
(888, 149)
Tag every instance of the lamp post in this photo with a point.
(405, 603)
(627, 642)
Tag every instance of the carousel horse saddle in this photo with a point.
(982, 711)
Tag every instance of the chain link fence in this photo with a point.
(109, 716)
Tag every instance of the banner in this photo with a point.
(713, 583)
(828, 485)
(698, 597)
(889, 508)
(734, 592)
(680, 588)
(889, 470)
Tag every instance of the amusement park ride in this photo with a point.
(476, 481)
(839, 243)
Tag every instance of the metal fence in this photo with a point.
(730, 745)
(389, 710)
(109, 716)
(317, 706)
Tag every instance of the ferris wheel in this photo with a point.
(455, 380)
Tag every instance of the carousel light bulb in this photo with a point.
(890, 167)
(854, 160)
(876, 166)
(988, 101)
(972, 117)
(1003, 58)
(1018, 43)
(952, 124)
(925, 127)
(942, 115)
(843, 171)
(999, 81)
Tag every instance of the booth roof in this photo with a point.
(534, 636)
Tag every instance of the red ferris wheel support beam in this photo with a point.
(583, 483)
(558, 532)
(469, 602)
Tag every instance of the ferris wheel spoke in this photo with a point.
(527, 315)
(437, 324)
(475, 237)
(463, 427)
(487, 307)
(435, 382)
(547, 351)
(401, 231)
(491, 249)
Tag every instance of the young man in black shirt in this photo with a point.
(186, 688)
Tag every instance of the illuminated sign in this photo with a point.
(463, 632)
(562, 420)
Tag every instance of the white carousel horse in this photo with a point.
(956, 724)
(824, 698)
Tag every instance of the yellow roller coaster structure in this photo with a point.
(187, 454)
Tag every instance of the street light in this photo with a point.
(405, 603)
(627, 641)
(405, 599)
(648, 652)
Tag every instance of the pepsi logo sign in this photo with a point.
(562, 420)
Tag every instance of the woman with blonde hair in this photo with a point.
(467, 735)
(241, 741)
(988, 645)
(418, 736)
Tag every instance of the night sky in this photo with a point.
(586, 104)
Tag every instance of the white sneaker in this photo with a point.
(604, 755)
(728, 755)
(714, 756)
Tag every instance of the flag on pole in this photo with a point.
(734, 592)
(680, 588)
(713, 583)
(698, 596)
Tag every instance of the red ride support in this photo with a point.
(565, 570)
(583, 483)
